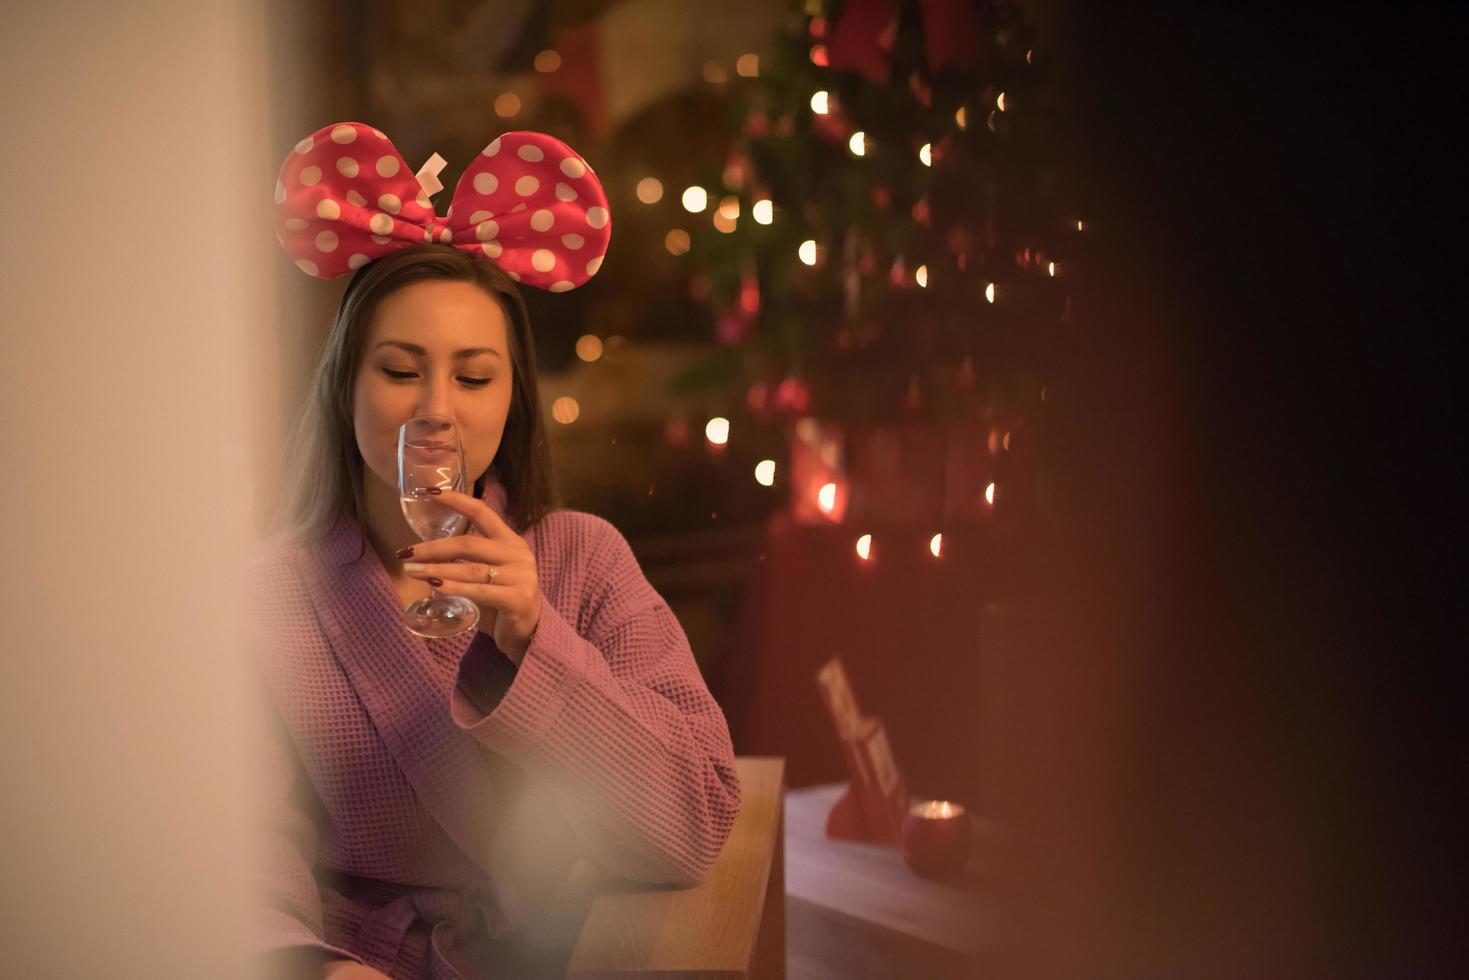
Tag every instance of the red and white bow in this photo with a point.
(345, 196)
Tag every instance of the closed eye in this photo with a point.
(463, 379)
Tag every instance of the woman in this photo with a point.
(431, 798)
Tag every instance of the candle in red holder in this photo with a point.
(935, 838)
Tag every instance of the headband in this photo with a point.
(345, 196)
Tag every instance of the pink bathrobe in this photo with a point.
(407, 824)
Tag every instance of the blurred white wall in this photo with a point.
(137, 406)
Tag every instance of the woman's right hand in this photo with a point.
(351, 970)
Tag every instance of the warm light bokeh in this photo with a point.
(507, 105)
(695, 199)
(650, 190)
(589, 347)
(826, 497)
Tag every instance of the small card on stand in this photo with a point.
(872, 808)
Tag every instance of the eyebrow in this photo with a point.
(421, 352)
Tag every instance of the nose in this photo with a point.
(433, 398)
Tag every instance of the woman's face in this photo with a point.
(433, 348)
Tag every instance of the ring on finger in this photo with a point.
(493, 572)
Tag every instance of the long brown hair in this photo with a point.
(324, 471)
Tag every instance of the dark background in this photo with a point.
(1259, 454)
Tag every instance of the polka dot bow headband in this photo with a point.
(528, 201)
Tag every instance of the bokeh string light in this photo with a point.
(650, 190)
(507, 105)
(695, 199)
(589, 347)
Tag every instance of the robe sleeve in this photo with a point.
(621, 721)
(289, 928)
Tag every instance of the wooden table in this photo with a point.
(855, 911)
(783, 900)
(732, 924)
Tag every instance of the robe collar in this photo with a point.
(393, 673)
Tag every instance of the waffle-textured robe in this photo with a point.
(405, 821)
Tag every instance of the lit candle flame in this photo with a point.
(937, 809)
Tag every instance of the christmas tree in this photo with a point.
(885, 248)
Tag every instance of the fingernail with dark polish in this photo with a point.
(403, 553)
(433, 490)
(435, 582)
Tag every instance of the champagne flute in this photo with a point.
(430, 456)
